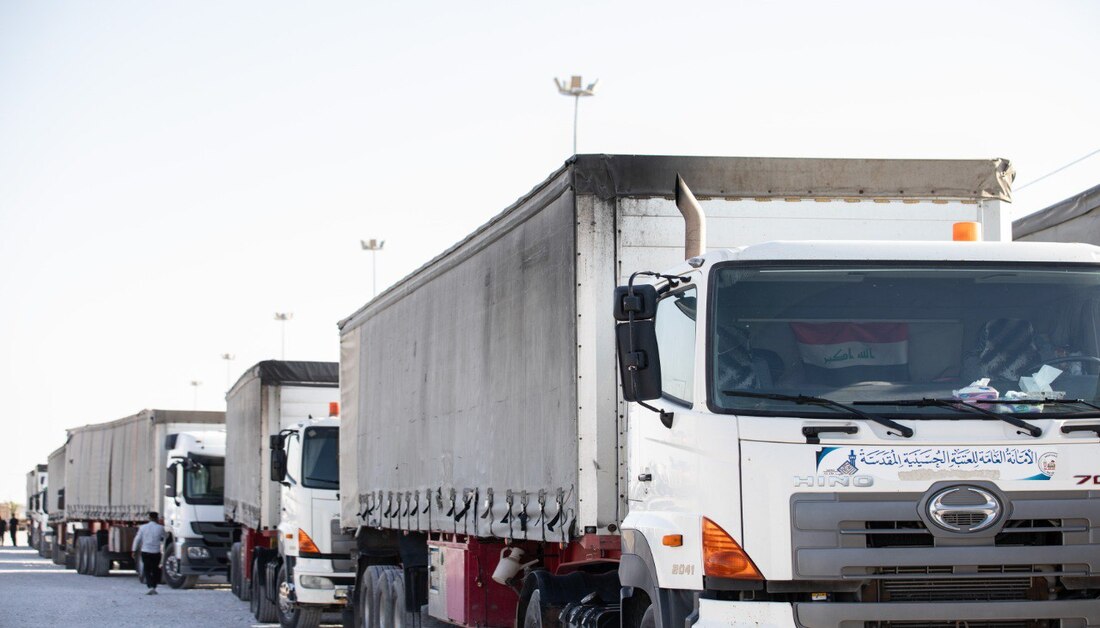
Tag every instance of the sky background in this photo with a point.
(174, 173)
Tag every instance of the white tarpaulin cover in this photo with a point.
(116, 470)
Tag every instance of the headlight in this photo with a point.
(198, 553)
(316, 582)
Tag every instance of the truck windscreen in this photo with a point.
(321, 458)
(871, 332)
(204, 480)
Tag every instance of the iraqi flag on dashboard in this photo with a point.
(839, 354)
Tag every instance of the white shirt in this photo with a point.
(149, 538)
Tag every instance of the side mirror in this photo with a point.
(170, 441)
(278, 465)
(275, 441)
(170, 480)
(639, 360)
(640, 300)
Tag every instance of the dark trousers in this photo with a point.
(150, 565)
(13, 531)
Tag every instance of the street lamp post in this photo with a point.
(195, 385)
(228, 357)
(576, 89)
(373, 246)
(283, 317)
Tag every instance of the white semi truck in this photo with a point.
(290, 559)
(37, 525)
(117, 472)
(795, 450)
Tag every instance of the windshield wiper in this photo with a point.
(1033, 430)
(1053, 402)
(900, 430)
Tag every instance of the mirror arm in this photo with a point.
(666, 416)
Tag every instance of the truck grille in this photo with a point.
(936, 584)
(881, 534)
(215, 534)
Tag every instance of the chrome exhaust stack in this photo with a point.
(695, 222)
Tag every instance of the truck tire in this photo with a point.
(386, 611)
(534, 618)
(58, 552)
(243, 583)
(265, 608)
(293, 615)
(233, 576)
(102, 562)
(398, 616)
(70, 557)
(82, 555)
(173, 577)
(369, 600)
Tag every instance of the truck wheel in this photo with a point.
(369, 600)
(82, 555)
(102, 563)
(265, 609)
(57, 552)
(243, 583)
(400, 618)
(534, 617)
(254, 596)
(386, 611)
(69, 559)
(234, 579)
(139, 567)
(292, 615)
(173, 577)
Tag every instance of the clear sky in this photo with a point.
(173, 173)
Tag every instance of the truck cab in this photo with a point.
(197, 538)
(314, 569)
(864, 433)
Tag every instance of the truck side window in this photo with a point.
(675, 326)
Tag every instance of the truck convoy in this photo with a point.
(791, 442)
(289, 559)
(36, 509)
(109, 476)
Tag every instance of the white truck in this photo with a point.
(808, 462)
(38, 535)
(290, 559)
(198, 538)
(117, 472)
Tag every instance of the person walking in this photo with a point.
(3, 529)
(13, 527)
(148, 542)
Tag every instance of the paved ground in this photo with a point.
(35, 592)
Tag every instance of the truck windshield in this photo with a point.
(204, 480)
(872, 332)
(321, 458)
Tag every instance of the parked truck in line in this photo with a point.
(55, 505)
(793, 451)
(37, 528)
(290, 559)
(115, 473)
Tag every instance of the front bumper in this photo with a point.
(216, 561)
(312, 595)
(715, 613)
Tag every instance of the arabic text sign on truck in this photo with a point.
(482, 410)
